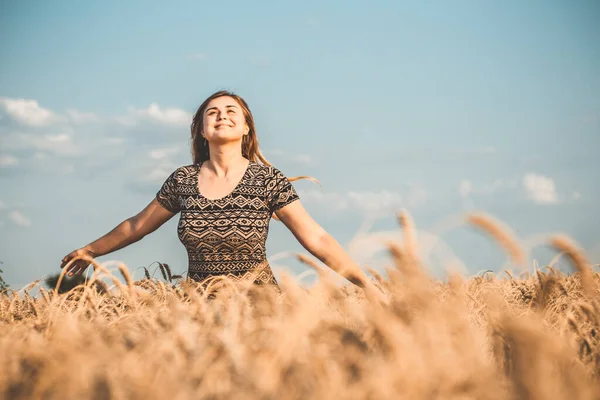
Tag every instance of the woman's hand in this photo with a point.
(80, 264)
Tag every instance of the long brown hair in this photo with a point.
(250, 150)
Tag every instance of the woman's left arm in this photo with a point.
(321, 244)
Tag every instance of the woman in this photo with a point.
(226, 199)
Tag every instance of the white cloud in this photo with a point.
(371, 248)
(41, 130)
(2, 205)
(19, 219)
(158, 175)
(465, 187)
(576, 195)
(78, 117)
(332, 199)
(7, 160)
(168, 116)
(58, 144)
(164, 152)
(373, 201)
(382, 201)
(160, 166)
(540, 189)
(46, 141)
(60, 138)
(28, 112)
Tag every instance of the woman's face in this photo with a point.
(224, 121)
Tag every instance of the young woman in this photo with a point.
(226, 199)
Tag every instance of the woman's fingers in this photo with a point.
(79, 263)
(71, 268)
(68, 258)
(80, 266)
(77, 267)
(75, 270)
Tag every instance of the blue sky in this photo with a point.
(434, 107)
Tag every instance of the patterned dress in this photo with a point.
(227, 236)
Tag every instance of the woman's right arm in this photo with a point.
(127, 232)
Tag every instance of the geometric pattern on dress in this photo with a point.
(227, 236)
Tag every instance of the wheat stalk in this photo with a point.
(572, 250)
(501, 234)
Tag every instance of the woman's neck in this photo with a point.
(224, 161)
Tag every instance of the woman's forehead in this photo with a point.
(223, 101)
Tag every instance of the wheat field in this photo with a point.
(486, 337)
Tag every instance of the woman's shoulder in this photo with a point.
(190, 168)
(183, 172)
(266, 170)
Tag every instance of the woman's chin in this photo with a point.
(225, 138)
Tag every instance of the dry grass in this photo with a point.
(481, 338)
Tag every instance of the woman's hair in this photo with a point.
(200, 150)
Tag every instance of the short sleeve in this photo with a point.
(280, 191)
(168, 195)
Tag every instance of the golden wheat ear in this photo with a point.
(579, 260)
(410, 233)
(501, 234)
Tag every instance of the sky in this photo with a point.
(437, 108)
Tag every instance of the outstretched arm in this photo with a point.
(127, 232)
(321, 244)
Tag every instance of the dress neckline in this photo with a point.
(227, 195)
